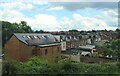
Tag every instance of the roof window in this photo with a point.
(28, 37)
(23, 36)
(35, 37)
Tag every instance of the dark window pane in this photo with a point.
(45, 51)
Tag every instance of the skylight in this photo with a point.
(35, 36)
(23, 36)
(28, 37)
(43, 37)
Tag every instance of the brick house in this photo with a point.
(22, 46)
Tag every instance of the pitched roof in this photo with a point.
(35, 38)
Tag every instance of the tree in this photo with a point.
(112, 48)
(9, 28)
(115, 46)
(73, 30)
(118, 33)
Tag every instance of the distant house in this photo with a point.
(22, 46)
(62, 40)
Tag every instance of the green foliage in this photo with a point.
(9, 28)
(115, 46)
(37, 66)
(118, 65)
(10, 67)
(34, 66)
(112, 48)
(73, 30)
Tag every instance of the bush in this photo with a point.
(37, 66)
(118, 65)
(10, 67)
(34, 66)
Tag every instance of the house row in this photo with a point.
(75, 41)
(22, 46)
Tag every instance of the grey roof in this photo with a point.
(87, 47)
(35, 38)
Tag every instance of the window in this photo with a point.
(46, 37)
(45, 51)
(43, 37)
(89, 36)
(31, 37)
(34, 51)
(38, 37)
(58, 49)
(28, 37)
(35, 36)
(63, 45)
(80, 37)
(23, 36)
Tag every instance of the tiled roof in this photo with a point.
(35, 38)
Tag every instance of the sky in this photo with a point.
(61, 16)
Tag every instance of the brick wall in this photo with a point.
(52, 52)
(11, 49)
(17, 50)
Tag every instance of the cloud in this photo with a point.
(40, 21)
(56, 8)
(5, 14)
(85, 23)
(18, 6)
(63, 0)
(51, 23)
(12, 12)
(73, 6)
(110, 16)
(47, 22)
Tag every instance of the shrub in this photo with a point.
(37, 66)
(10, 67)
(34, 66)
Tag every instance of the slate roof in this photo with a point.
(87, 47)
(35, 38)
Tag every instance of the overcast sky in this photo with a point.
(56, 16)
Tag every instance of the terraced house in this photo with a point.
(22, 46)
(70, 41)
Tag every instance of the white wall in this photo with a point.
(63, 45)
(57, 37)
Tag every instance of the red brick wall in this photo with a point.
(17, 50)
(52, 52)
(11, 49)
(26, 52)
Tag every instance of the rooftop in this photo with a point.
(35, 38)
